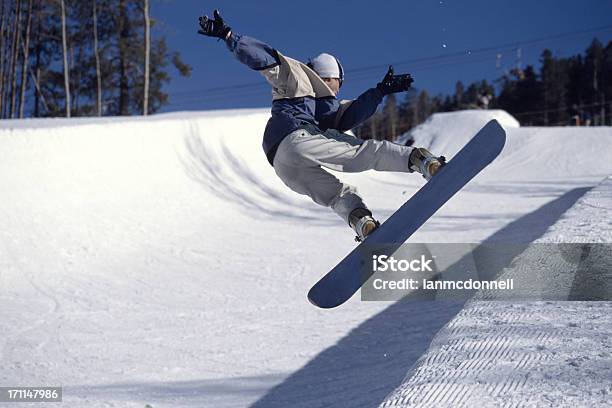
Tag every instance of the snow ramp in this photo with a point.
(448, 132)
(160, 260)
(531, 153)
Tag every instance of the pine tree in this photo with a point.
(606, 78)
(576, 88)
(529, 96)
(594, 75)
(555, 79)
(472, 95)
(458, 100)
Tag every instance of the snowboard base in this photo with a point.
(341, 283)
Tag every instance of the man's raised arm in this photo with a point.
(352, 113)
(253, 53)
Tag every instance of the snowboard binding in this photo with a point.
(368, 227)
(425, 163)
(363, 223)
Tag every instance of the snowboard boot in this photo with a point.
(422, 161)
(362, 222)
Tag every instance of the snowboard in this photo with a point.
(341, 283)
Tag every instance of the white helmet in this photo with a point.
(327, 66)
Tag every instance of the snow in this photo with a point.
(160, 261)
(590, 220)
(528, 354)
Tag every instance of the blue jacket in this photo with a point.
(300, 97)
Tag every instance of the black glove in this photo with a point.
(394, 83)
(214, 28)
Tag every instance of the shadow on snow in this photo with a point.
(372, 360)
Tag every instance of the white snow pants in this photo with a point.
(301, 156)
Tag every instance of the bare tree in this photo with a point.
(15, 57)
(3, 12)
(97, 57)
(124, 32)
(65, 49)
(38, 96)
(390, 118)
(147, 72)
(35, 71)
(26, 64)
(374, 124)
(64, 57)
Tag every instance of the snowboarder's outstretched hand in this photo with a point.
(392, 83)
(214, 28)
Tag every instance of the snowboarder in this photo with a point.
(305, 131)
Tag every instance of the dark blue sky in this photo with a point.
(439, 42)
